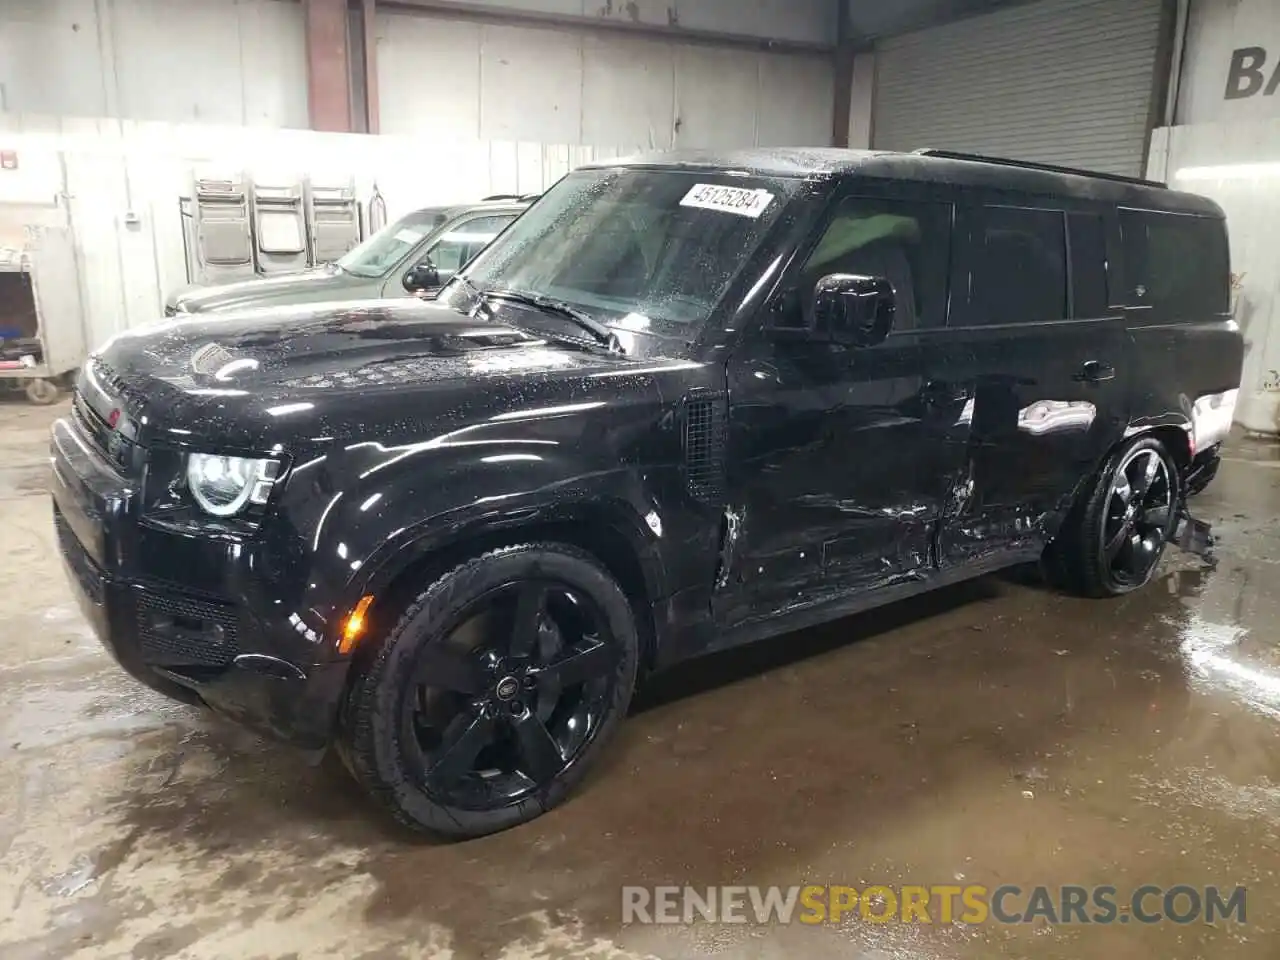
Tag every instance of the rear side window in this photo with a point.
(1175, 265)
(1018, 267)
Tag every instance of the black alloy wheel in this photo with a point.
(491, 697)
(1113, 538)
(503, 704)
(1137, 516)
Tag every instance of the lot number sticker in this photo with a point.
(743, 202)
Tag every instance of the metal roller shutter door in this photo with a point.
(1058, 81)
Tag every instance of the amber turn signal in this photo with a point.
(354, 627)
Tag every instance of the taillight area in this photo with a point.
(1211, 417)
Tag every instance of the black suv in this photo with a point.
(682, 403)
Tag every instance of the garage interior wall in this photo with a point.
(1069, 82)
(571, 81)
(181, 61)
(1226, 145)
(578, 86)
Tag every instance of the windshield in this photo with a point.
(382, 251)
(642, 250)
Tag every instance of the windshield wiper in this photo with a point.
(561, 309)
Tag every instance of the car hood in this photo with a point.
(316, 284)
(254, 377)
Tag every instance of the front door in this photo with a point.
(840, 458)
(1047, 360)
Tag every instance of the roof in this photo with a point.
(992, 173)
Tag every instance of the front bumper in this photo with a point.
(188, 644)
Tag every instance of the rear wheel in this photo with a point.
(1112, 543)
(497, 689)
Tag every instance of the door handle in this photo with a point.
(938, 392)
(1096, 371)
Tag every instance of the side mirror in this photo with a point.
(422, 276)
(852, 310)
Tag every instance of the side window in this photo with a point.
(906, 242)
(1089, 294)
(1176, 265)
(1018, 271)
(455, 248)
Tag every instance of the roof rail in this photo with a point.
(1032, 165)
(501, 196)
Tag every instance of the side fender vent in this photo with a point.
(704, 447)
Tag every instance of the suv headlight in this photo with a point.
(223, 486)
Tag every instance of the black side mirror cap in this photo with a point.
(853, 310)
(422, 276)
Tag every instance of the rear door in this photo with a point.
(1032, 334)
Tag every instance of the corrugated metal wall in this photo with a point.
(471, 79)
(1057, 81)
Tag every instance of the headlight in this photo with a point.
(224, 485)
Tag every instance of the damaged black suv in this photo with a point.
(682, 403)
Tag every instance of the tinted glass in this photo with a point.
(906, 243)
(457, 245)
(1176, 265)
(384, 249)
(1018, 269)
(1088, 265)
(652, 248)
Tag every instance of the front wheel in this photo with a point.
(1113, 542)
(496, 691)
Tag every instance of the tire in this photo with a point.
(1106, 549)
(440, 674)
(42, 392)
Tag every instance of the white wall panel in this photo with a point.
(50, 59)
(228, 61)
(796, 102)
(1216, 29)
(717, 92)
(428, 75)
(530, 84)
(628, 91)
(465, 78)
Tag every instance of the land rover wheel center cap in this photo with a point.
(507, 688)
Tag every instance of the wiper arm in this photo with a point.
(551, 305)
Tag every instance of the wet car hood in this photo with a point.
(315, 284)
(264, 376)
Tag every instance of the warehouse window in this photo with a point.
(906, 243)
(1018, 271)
(1175, 265)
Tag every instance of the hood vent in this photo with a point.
(704, 425)
(211, 358)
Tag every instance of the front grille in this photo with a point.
(177, 630)
(82, 568)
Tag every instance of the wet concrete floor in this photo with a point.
(996, 733)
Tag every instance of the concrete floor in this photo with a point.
(997, 732)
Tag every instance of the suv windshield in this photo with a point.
(382, 251)
(635, 248)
